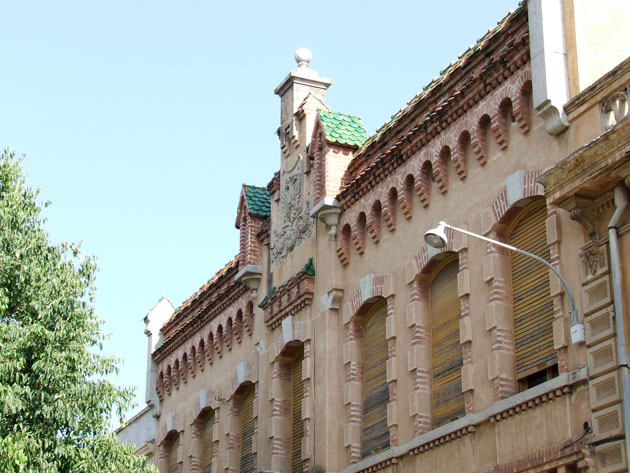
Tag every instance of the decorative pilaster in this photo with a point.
(499, 322)
(419, 357)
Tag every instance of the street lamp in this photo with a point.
(437, 238)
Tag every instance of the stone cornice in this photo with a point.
(290, 297)
(210, 308)
(591, 169)
(459, 91)
(596, 92)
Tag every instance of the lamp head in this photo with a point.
(436, 237)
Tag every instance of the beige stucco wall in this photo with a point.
(495, 432)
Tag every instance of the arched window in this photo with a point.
(297, 424)
(207, 444)
(532, 307)
(446, 351)
(375, 433)
(247, 430)
(171, 458)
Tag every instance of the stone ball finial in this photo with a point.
(303, 57)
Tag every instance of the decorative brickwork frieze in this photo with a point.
(358, 233)
(290, 297)
(208, 343)
(423, 187)
(406, 196)
(343, 244)
(175, 374)
(440, 170)
(389, 209)
(429, 163)
(375, 221)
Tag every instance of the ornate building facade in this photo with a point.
(339, 341)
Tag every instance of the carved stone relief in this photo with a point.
(296, 225)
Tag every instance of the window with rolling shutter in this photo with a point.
(207, 449)
(297, 424)
(172, 465)
(532, 306)
(446, 351)
(247, 431)
(375, 433)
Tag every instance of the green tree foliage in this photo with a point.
(55, 406)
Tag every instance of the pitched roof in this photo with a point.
(437, 81)
(205, 286)
(343, 129)
(258, 200)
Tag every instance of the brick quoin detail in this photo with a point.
(280, 447)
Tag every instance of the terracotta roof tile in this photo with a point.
(481, 42)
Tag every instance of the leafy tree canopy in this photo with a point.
(55, 406)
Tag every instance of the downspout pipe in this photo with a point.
(621, 202)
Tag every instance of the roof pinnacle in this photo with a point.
(303, 57)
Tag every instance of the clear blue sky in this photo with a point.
(141, 119)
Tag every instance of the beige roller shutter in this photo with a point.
(375, 433)
(247, 431)
(173, 467)
(446, 355)
(532, 306)
(297, 424)
(207, 445)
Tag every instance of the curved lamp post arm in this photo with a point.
(577, 330)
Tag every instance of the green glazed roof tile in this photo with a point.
(343, 129)
(258, 200)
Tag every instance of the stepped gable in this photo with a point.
(457, 89)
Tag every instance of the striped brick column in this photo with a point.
(307, 406)
(499, 321)
(419, 357)
(352, 394)
(465, 325)
(560, 322)
(232, 433)
(392, 372)
(280, 425)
